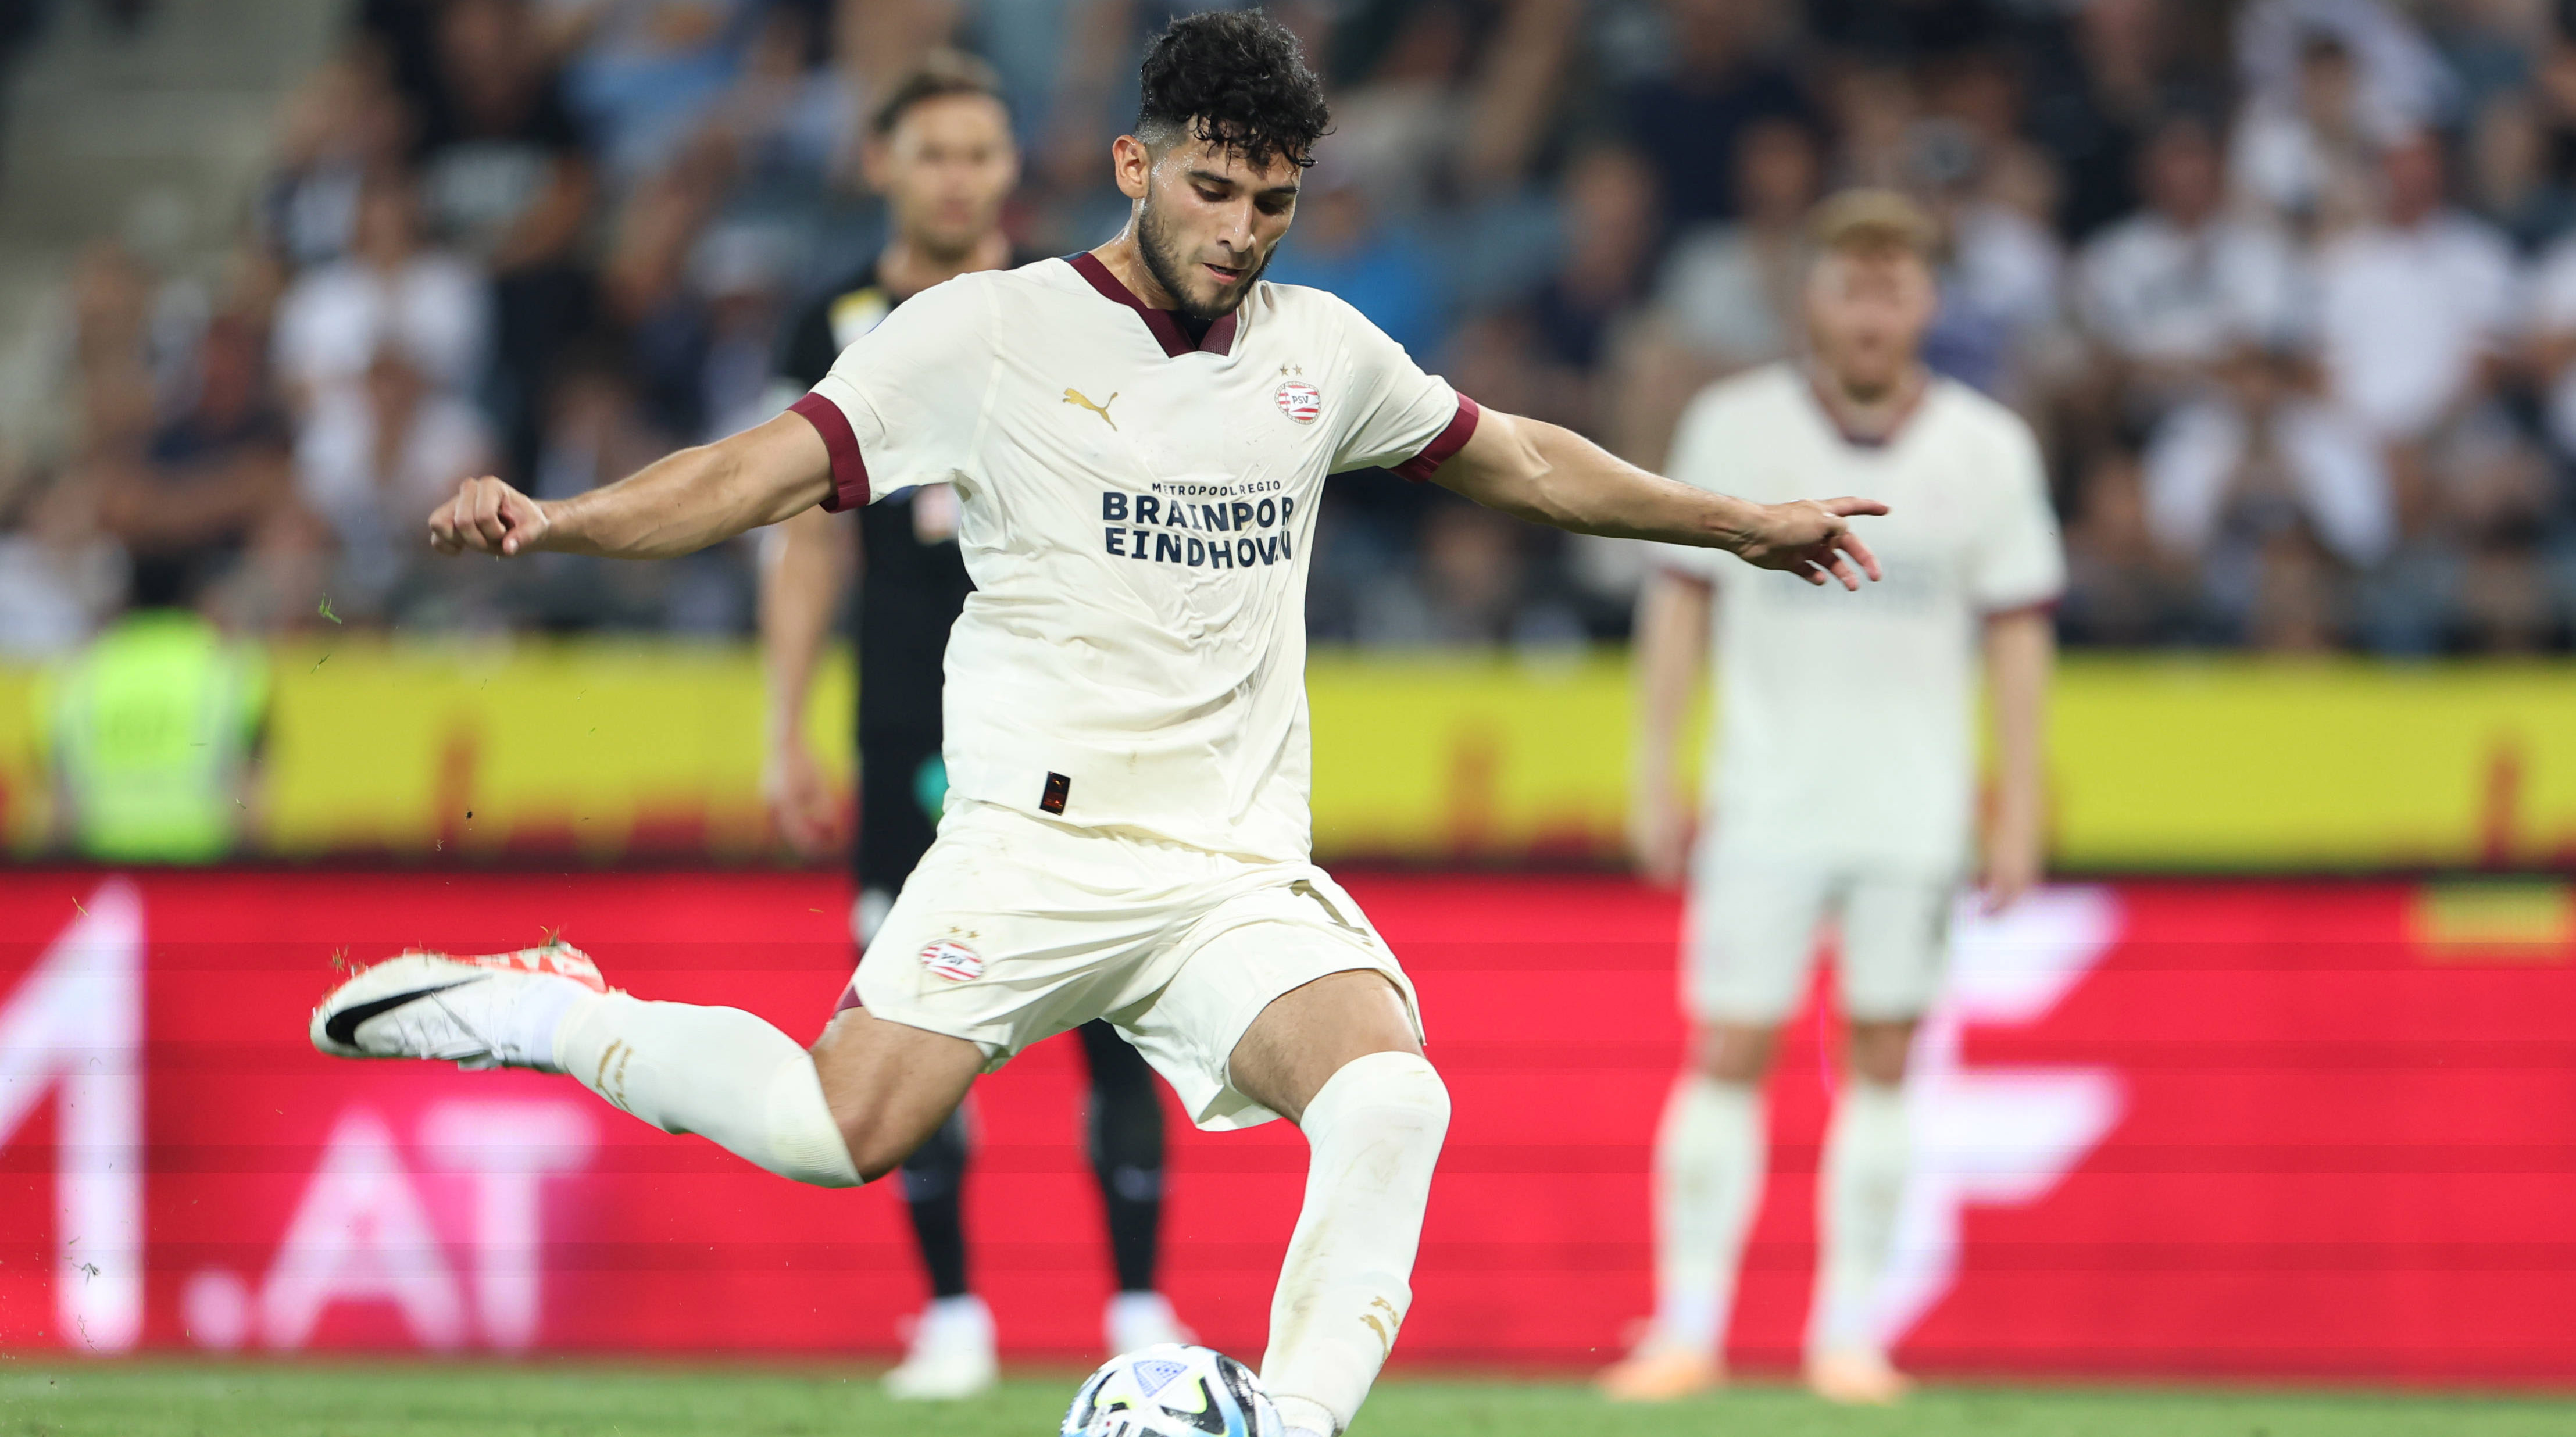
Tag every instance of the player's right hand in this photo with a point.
(1813, 539)
(488, 517)
(802, 801)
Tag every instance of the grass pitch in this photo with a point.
(550, 1400)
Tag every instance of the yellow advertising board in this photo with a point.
(593, 751)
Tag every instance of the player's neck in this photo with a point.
(1869, 419)
(1127, 262)
(906, 268)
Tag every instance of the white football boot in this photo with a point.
(1138, 1320)
(496, 1010)
(951, 1355)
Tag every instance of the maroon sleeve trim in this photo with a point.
(1462, 427)
(849, 471)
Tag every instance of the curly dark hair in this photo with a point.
(1234, 78)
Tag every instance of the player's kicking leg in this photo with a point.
(1341, 1059)
(843, 1114)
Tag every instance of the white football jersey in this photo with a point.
(1136, 513)
(1846, 721)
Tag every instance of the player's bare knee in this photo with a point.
(1738, 1053)
(1879, 1050)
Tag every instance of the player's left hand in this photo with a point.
(1812, 539)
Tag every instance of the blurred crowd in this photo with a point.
(2288, 288)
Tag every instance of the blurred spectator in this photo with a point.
(60, 576)
(1544, 352)
(2490, 47)
(505, 178)
(642, 74)
(1341, 245)
(598, 431)
(2303, 150)
(2168, 294)
(342, 125)
(1725, 75)
(390, 293)
(2394, 80)
(737, 275)
(2121, 586)
(373, 459)
(1727, 296)
(2415, 309)
(648, 285)
(2510, 183)
(2097, 90)
(1613, 229)
(1999, 288)
(1730, 291)
(790, 124)
(2552, 314)
(197, 492)
(2253, 457)
(1472, 584)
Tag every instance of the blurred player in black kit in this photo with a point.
(940, 152)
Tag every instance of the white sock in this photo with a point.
(1710, 1158)
(1373, 1133)
(718, 1072)
(1866, 1154)
(964, 1315)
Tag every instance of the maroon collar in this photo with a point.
(1165, 324)
(1833, 415)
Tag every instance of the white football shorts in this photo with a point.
(1014, 928)
(1750, 939)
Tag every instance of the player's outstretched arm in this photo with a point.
(1551, 475)
(677, 504)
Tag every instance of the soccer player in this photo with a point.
(1138, 437)
(940, 152)
(1842, 784)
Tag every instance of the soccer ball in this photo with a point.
(1168, 1390)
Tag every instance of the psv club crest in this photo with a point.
(953, 961)
(1300, 401)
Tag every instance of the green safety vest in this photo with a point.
(151, 729)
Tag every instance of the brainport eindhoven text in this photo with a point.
(1217, 535)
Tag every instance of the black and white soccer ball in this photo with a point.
(1168, 1390)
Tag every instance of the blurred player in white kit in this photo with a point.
(1138, 437)
(1844, 778)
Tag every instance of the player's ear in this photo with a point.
(1133, 164)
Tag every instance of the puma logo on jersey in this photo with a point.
(1076, 396)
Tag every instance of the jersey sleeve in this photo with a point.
(1399, 417)
(2018, 560)
(903, 406)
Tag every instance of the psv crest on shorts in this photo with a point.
(953, 961)
(1300, 401)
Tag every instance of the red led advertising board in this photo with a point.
(2163, 1128)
